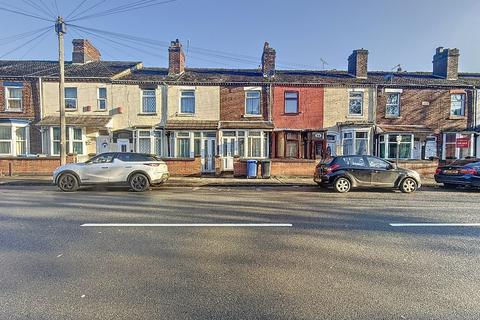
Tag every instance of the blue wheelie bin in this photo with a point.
(251, 169)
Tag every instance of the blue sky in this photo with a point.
(303, 31)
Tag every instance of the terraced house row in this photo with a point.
(205, 120)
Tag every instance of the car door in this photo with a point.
(382, 173)
(357, 167)
(97, 169)
(123, 165)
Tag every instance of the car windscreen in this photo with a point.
(136, 157)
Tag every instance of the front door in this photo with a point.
(208, 154)
(123, 145)
(103, 144)
(228, 152)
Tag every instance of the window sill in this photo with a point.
(146, 114)
(13, 110)
(252, 116)
(393, 117)
(98, 110)
(185, 115)
(356, 116)
(71, 110)
(457, 117)
(291, 114)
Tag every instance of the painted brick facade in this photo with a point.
(310, 108)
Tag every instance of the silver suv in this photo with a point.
(137, 170)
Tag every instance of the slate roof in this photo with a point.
(37, 68)
(210, 76)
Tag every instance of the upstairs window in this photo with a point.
(13, 98)
(355, 103)
(187, 101)
(70, 98)
(393, 105)
(102, 99)
(252, 103)
(149, 101)
(291, 102)
(457, 104)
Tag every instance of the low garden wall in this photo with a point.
(12, 166)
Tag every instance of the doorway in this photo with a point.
(228, 148)
(123, 145)
(208, 155)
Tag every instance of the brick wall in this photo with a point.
(279, 168)
(184, 167)
(435, 115)
(232, 104)
(30, 166)
(310, 108)
(425, 168)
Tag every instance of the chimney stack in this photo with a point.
(445, 63)
(176, 58)
(84, 51)
(268, 60)
(358, 64)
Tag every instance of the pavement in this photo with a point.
(340, 259)
(196, 181)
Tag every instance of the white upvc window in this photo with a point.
(71, 99)
(187, 102)
(149, 142)
(457, 104)
(454, 148)
(75, 140)
(149, 101)
(389, 146)
(102, 99)
(356, 142)
(14, 140)
(355, 103)
(393, 105)
(252, 102)
(14, 99)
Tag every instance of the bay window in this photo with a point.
(457, 146)
(75, 140)
(149, 142)
(388, 146)
(183, 145)
(13, 139)
(355, 142)
(254, 144)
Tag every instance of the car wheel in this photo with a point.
(68, 182)
(139, 182)
(342, 185)
(408, 185)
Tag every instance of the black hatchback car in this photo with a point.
(461, 173)
(346, 172)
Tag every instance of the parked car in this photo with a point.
(464, 173)
(137, 170)
(346, 172)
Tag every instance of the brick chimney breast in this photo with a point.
(268, 60)
(84, 51)
(176, 58)
(445, 63)
(358, 64)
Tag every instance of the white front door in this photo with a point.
(228, 149)
(208, 154)
(103, 144)
(123, 145)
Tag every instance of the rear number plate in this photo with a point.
(450, 171)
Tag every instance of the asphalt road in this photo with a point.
(340, 259)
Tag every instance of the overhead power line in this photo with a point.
(89, 8)
(26, 14)
(37, 7)
(25, 43)
(123, 8)
(76, 9)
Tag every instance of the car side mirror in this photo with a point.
(393, 166)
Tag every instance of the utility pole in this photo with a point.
(60, 28)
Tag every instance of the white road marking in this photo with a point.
(256, 225)
(435, 224)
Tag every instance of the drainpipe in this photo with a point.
(40, 107)
(270, 102)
